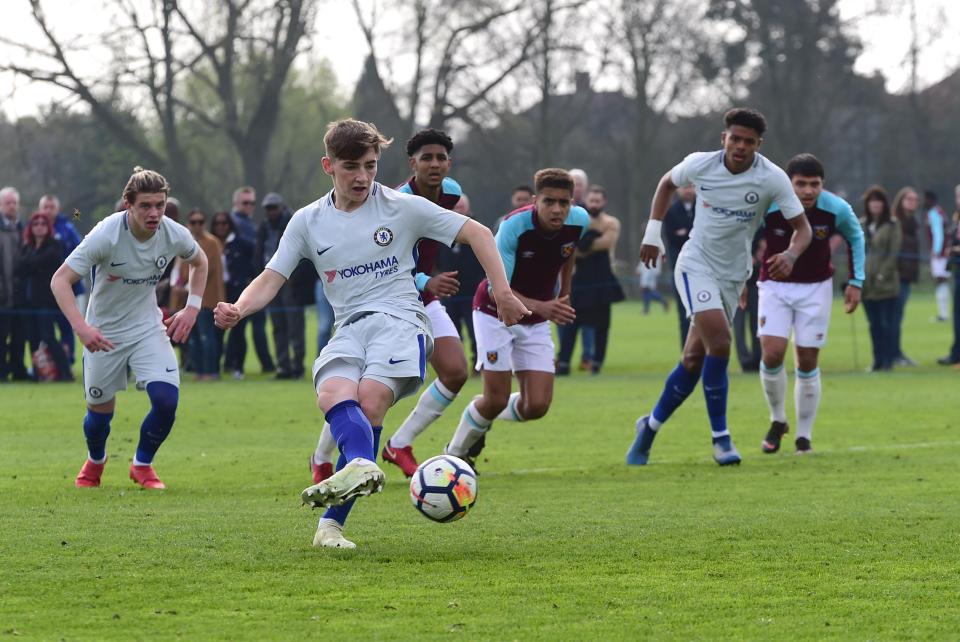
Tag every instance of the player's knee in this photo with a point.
(806, 363)
(496, 401)
(374, 407)
(164, 397)
(534, 409)
(455, 379)
(692, 362)
(772, 360)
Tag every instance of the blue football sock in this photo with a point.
(158, 422)
(96, 429)
(676, 389)
(340, 513)
(351, 428)
(715, 391)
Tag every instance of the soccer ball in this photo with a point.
(443, 488)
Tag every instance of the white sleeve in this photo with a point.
(431, 221)
(183, 241)
(784, 196)
(93, 249)
(687, 171)
(292, 248)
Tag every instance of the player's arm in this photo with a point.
(440, 285)
(781, 265)
(651, 249)
(180, 324)
(256, 296)
(849, 228)
(480, 239)
(62, 287)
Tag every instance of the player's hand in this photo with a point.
(781, 265)
(443, 285)
(743, 297)
(226, 315)
(93, 340)
(851, 298)
(510, 309)
(558, 310)
(180, 324)
(650, 254)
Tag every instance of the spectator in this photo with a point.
(10, 232)
(39, 257)
(647, 279)
(580, 182)
(953, 358)
(205, 346)
(461, 259)
(881, 289)
(677, 225)
(521, 196)
(244, 202)
(746, 320)
(325, 316)
(594, 287)
(908, 263)
(172, 211)
(238, 259)
(939, 250)
(66, 233)
(286, 311)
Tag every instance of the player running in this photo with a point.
(429, 153)
(361, 238)
(126, 254)
(537, 243)
(735, 187)
(802, 301)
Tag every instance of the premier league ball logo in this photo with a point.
(383, 236)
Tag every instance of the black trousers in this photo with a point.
(289, 331)
(597, 317)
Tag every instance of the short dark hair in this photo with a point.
(349, 139)
(805, 165)
(553, 177)
(930, 195)
(600, 189)
(522, 188)
(429, 137)
(745, 117)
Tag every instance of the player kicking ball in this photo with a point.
(361, 237)
(537, 243)
(735, 188)
(429, 152)
(128, 252)
(802, 301)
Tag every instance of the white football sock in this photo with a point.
(512, 411)
(99, 461)
(775, 390)
(942, 292)
(430, 406)
(326, 447)
(806, 397)
(471, 428)
(137, 462)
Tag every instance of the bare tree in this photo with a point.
(157, 45)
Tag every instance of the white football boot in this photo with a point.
(330, 535)
(358, 478)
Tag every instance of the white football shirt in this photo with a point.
(367, 258)
(125, 272)
(730, 208)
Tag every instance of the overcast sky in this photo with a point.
(339, 39)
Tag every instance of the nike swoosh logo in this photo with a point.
(706, 189)
(392, 362)
(112, 264)
(320, 252)
(170, 369)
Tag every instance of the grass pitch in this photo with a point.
(859, 541)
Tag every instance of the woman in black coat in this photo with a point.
(39, 257)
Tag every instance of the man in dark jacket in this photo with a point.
(676, 230)
(286, 311)
(11, 229)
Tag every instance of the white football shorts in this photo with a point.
(938, 267)
(151, 358)
(440, 320)
(379, 347)
(516, 348)
(700, 293)
(802, 307)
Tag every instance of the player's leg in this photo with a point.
(321, 461)
(812, 323)
(154, 362)
(678, 385)
(568, 340)
(713, 327)
(532, 346)
(450, 364)
(776, 319)
(104, 373)
(941, 276)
